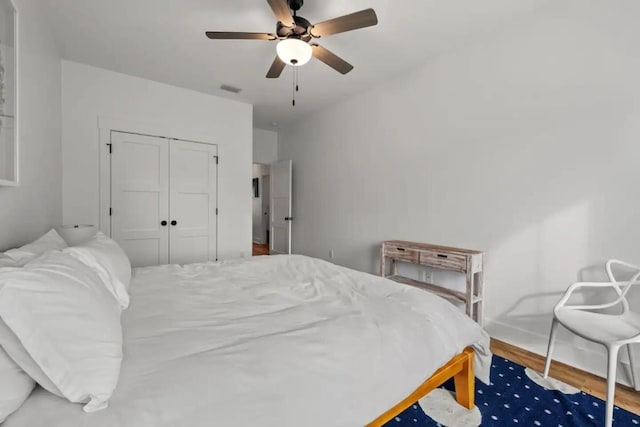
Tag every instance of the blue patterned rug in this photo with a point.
(515, 397)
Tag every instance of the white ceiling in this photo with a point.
(164, 40)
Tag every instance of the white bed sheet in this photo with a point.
(270, 341)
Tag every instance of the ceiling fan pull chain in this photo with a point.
(293, 89)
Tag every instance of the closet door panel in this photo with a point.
(140, 197)
(192, 200)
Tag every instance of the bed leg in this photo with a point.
(465, 382)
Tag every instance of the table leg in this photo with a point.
(479, 284)
(470, 291)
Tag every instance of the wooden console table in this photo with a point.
(468, 262)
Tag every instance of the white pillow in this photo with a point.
(109, 261)
(30, 251)
(68, 323)
(15, 386)
(16, 351)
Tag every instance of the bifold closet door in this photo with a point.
(140, 197)
(192, 202)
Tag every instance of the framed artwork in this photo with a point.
(256, 187)
(8, 93)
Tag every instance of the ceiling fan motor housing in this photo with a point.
(300, 31)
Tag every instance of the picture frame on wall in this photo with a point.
(8, 93)
(256, 188)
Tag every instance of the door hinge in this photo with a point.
(217, 159)
(110, 148)
(216, 211)
(110, 211)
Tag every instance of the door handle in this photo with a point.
(163, 223)
(174, 222)
(288, 218)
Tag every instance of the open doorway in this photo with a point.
(261, 211)
(272, 218)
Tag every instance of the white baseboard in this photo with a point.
(565, 352)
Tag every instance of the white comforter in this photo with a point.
(271, 341)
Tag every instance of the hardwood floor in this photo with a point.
(260, 249)
(626, 397)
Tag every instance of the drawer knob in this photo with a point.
(442, 256)
(400, 249)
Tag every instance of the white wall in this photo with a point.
(35, 206)
(265, 146)
(90, 94)
(524, 144)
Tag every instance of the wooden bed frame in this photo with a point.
(460, 368)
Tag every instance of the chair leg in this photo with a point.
(632, 363)
(612, 364)
(550, 347)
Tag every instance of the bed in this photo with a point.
(274, 341)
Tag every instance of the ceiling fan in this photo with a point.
(295, 34)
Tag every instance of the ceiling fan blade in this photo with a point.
(276, 68)
(353, 21)
(283, 13)
(331, 59)
(226, 35)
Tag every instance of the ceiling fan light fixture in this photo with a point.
(294, 52)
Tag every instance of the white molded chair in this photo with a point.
(613, 331)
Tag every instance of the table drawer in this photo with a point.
(443, 260)
(404, 254)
